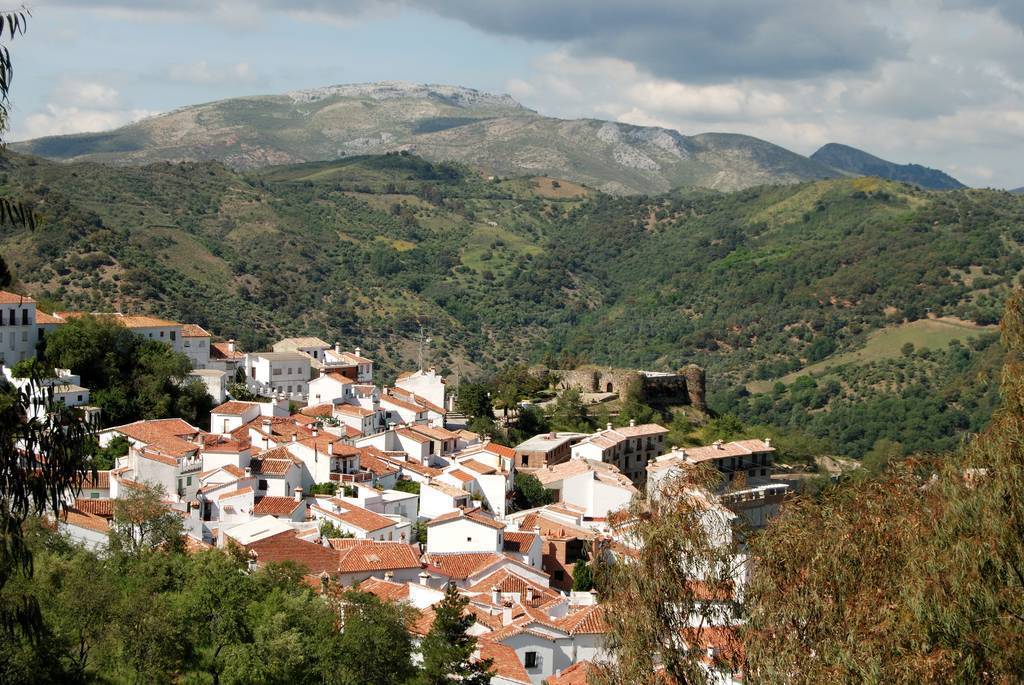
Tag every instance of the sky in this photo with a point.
(936, 82)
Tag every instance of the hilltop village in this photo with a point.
(384, 489)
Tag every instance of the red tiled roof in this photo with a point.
(155, 429)
(191, 330)
(519, 541)
(317, 410)
(286, 546)
(43, 318)
(360, 556)
(352, 410)
(233, 408)
(99, 507)
(357, 517)
(340, 378)
(586, 621)
(476, 515)
(13, 298)
(158, 457)
(274, 506)
(384, 589)
(271, 467)
(100, 482)
(474, 465)
(219, 350)
(577, 674)
(369, 460)
(81, 519)
(235, 493)
(462, 565)
(398, 402)
(505, 662)
(511, 582)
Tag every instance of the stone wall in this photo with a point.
(686, 386)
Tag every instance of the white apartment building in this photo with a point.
(278, 373)
(19, 331)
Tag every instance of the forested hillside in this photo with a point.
(754, 285)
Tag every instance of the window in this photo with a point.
(24, 317)
(229, 509)
(764, 472)
(469, 539)
(24, 336)
(188, 343)
(525, 460)
(262, 485)
(188, 481)
(94, 495)
(174, 335)
(559, 575)
(276, 372)
(79, 398)
(161, 334)
(530, 659)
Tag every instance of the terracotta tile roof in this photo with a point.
(398, 402)
(357, 517)
(47, 319)
(191, 330)
(355, 358)
(447, 489)
(500, 450)
(423, 622)
(340, 378)
(100, 482)
(370, 461)
(577, 674)
(435, 432)
(385, 590)
(317, 410)
(461, 475)
(99, 507)
(476, 515)
(520, 542)
(286, 546)
(295, 343)
(81, 519)
(280, 427)
(275, 506)
(234, 408)
(153, 455)
(265, 466)
(154, 429)
(642, 430)
(415, 436)
(474, 465)
(555, 529)
(505, 662)
(724, 641)
(13, 298)
(739, 448)
(361, 556)
(462, 565)
(322, 444)
(352, 410)
(420, 469)
(235, 493)
(219, 350)
(586, 621)
(413, 398)
(511, 582)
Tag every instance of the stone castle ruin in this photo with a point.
(686, 386)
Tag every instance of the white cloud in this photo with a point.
(203, 73)
(59, 120)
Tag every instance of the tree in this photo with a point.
(582, 576)
(474, 400)
(40, 462)
(529, 492)
(569, 413)
(448, 649)
(655, 601)
(375, 645)
(143, 522)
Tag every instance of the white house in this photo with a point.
(278, 373)
(596, 487)
(351, 364)
(277, 473)
(195, 343)
(215, 380)
(628, 448)
(366, 421)
(438, 498)
(464, 531)
(427, 384)
(228, 416)
(19, 331)
(311, 346)
(331, 387)
(359, 522)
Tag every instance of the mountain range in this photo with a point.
(493, 133)
(860, 163)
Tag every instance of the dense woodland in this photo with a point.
(385, 251)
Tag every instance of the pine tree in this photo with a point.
(448, 649)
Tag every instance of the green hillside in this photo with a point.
(860, 163)
(754, 285)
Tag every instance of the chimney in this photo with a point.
(632, 423)
(295, 437)
(495, 595)
(358, 352)
(424, 577)
(337, 347)
(315, 432)
(529, 593)
(330, 448)
(231, 345)
(248, 472)
(718, 444)
(267, 425)
(391, 425)
(325, 581)
(389, 576)
(298, 494)
(768, 442)
(608, 426)
(506, 615)
(551, 436)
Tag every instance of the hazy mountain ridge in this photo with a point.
(438, 122)
(854, 161)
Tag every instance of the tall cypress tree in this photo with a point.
(448, 649)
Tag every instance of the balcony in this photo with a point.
(360, 477)
(190, 464)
